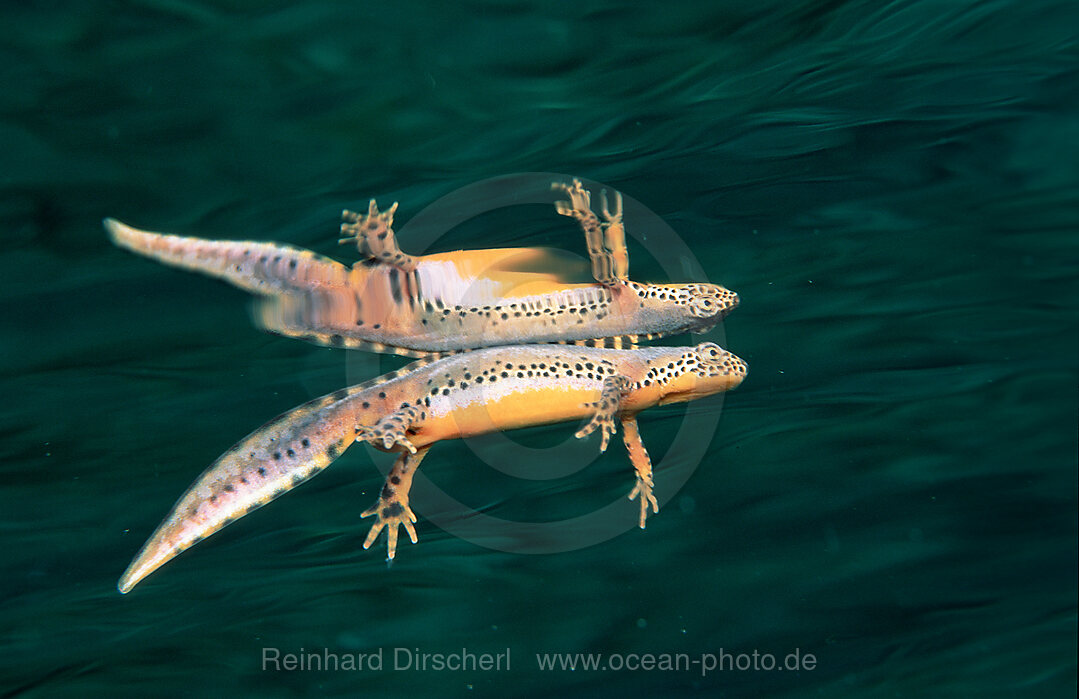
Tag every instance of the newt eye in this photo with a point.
(710, 352)
(704, 302)
(702, 306)
(710, 301)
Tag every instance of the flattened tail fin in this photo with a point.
(262, 268)
(267, 463)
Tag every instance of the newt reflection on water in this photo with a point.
(414, 305)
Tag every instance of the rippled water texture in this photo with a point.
(893, 189)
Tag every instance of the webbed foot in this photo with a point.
(392, 510)
(373, 235)
(579, 205)
(644, 489)
(391, 430)
(390, 516)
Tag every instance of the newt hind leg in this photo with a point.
(374, 237)
(392, 510)
(606, 241)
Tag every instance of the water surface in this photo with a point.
(892, 188)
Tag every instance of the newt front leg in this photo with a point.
(392, 508)
(614, 235)
(606, 241)
(607, 407)
(638, 456)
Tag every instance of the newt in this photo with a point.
(415, 305)
(428, 401)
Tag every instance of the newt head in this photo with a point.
(685, 307)
(698, 372)
(710, 302)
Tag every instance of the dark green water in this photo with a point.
(893, 189)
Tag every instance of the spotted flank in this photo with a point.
(429, 401)
(392, 301)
